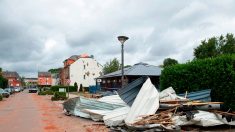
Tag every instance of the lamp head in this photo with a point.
(122, 39)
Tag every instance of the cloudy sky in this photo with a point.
(40, 34)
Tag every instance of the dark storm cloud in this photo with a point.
(38, 35)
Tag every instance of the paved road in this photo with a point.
(20, 113)
(28, 112)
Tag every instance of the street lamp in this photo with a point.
(122, 39)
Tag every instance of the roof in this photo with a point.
(129, 92)
(139, 69)
(7, 74)
(203, 95)
(44, 74)
(76, 57)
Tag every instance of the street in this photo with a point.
(27, 112)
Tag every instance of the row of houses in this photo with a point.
(81, 69)
(86, 71)
(13, 78)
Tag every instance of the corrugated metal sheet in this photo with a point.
(129, 93)
(139, 69)
(203, 95)
(146, 103)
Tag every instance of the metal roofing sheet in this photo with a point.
(203, 95)
(139, 69)
(129, 93)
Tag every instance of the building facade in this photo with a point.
(112, 81)
(13, 78)
(55, 79)
(44, 79)
(31, 82)
(82, 69)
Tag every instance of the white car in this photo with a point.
(17, 89)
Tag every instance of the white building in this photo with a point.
(84, 71)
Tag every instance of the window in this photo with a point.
(84, 67)
(87, 64)
(84, 77)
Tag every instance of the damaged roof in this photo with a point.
(139, 69)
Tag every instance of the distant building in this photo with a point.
(44, 79)
(55, 78)
(31, 82)
(82, 69)
(13, 78)
(112, 81)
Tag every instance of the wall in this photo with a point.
(87, 67)
(44, 80)
(13, 82)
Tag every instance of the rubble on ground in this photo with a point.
(147, 108)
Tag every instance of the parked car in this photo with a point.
(9, 90)
(21, 89)
(4, 93)
(33, 90)
(17, 89)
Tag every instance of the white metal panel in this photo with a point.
(146, 103)
(116, 117)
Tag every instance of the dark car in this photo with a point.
(33, 90)
(4, 93)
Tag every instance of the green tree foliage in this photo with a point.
(76, 85)
(126, 66)
(169, 62)
(215, 46)
(217, 74)
(111, 66)
(56, 70)
(3, 81)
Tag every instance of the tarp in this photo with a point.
(146, 103)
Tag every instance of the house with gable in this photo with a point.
(82, 69)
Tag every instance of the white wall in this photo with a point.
(77, 72)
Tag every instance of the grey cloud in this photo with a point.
(38, 35)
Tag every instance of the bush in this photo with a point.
(59, 96)
(42, 93)
(1, 97)
(217, 74)
(48, 92)
(71, 88)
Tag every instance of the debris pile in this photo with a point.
(140, 106)
(163, 118)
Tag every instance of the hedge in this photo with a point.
(1, 97)
(217, 74)
(47, 92)
(71, 88)
(59, 96)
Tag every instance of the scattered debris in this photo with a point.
(144, 108)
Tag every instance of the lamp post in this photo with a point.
(122, 39)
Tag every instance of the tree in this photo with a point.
(111, 66)
(56, 70)
(76, 85)
(169, 62)
(126, 66)
(215, 46)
